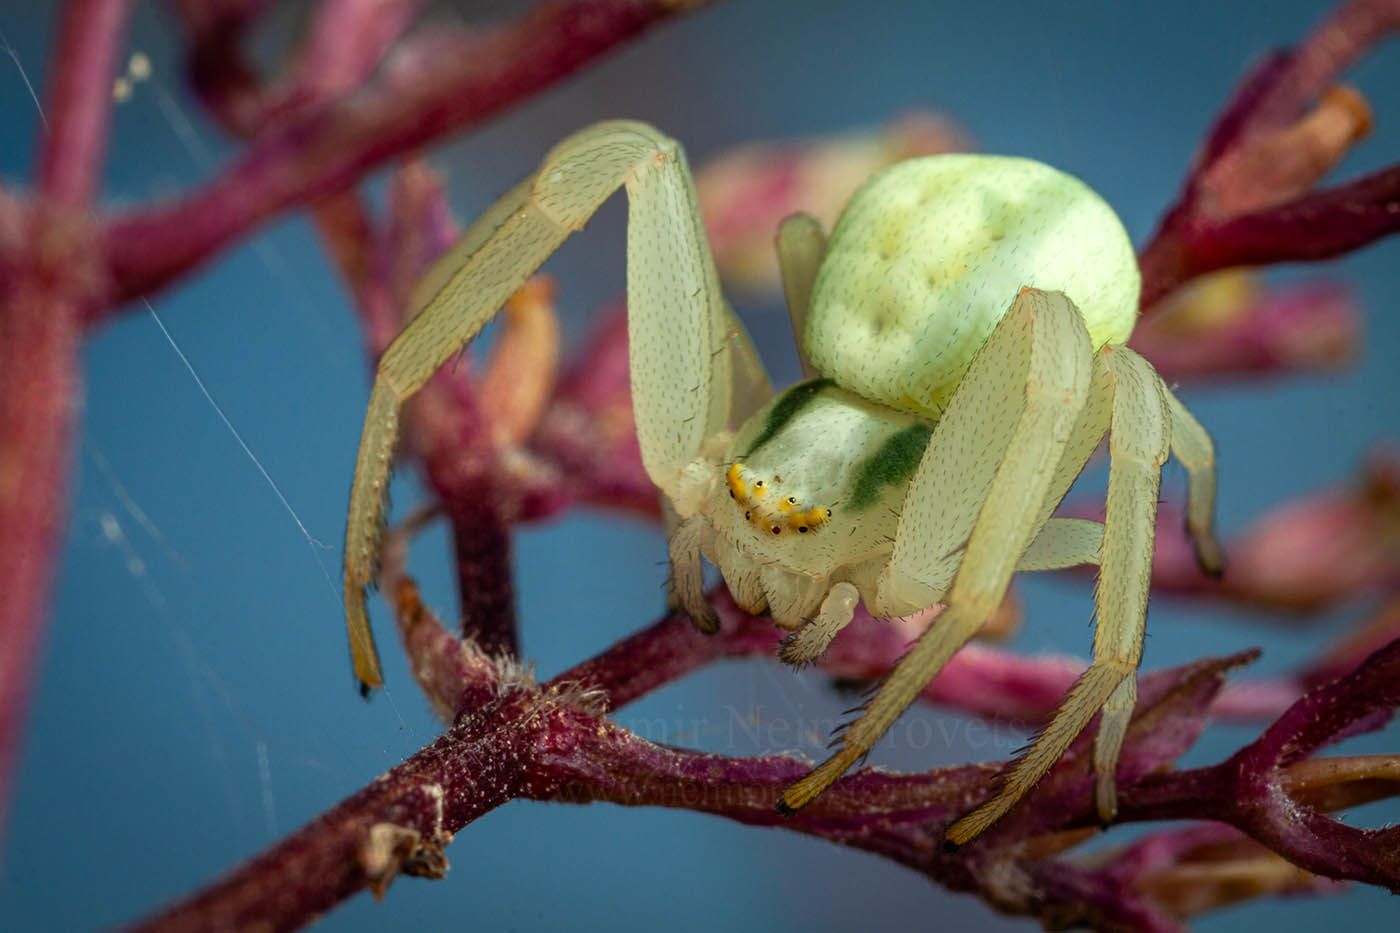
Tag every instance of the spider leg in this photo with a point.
(1193, 447)
(1139, 445)
(686, 585)
(750, 389)
(1140, 442)
(1063, 542)
(681, 335)
(801, 245)
(810, 640)
(1069, 542)
(1039, 355)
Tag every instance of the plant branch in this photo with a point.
(50, 280)
(515, 739)
(80, 99)
(435, 85)
(1247, 200)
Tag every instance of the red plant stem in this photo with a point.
(485, 586)
(80, 78)
(1319, 226)
(39, 338)
(979, 679)
(439, 86)
(346, 40)
(42, 300)
(1280, 87)
(225, 83)
(1246, 790)
(1193, 239)
(437, 791)
(549, 742)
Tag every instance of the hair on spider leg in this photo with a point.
(868, 692)
(838, 734)
(788, 644)
(382, 529)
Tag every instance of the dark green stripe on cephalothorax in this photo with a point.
(893, 463)
(786, 408)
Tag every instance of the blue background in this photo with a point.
(194, 703)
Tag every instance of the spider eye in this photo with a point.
(777, 530)
(802, 529)
(759, 483)
(746, 515)
(792, 499)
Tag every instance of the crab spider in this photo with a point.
(963, 332)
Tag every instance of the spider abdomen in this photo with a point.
(929, 254)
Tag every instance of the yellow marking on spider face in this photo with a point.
(774, 514)
(737, 487)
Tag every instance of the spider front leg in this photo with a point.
(979, 494)
(685, 346)
(801, 245)
(1139, 443)
(809, 641)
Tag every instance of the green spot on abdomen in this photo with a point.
(893, 463)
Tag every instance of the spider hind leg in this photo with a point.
(1139, 446)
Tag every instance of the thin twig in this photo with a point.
(438, 85)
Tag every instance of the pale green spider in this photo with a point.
(967, 320)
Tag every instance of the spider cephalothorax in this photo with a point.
(963, 329)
